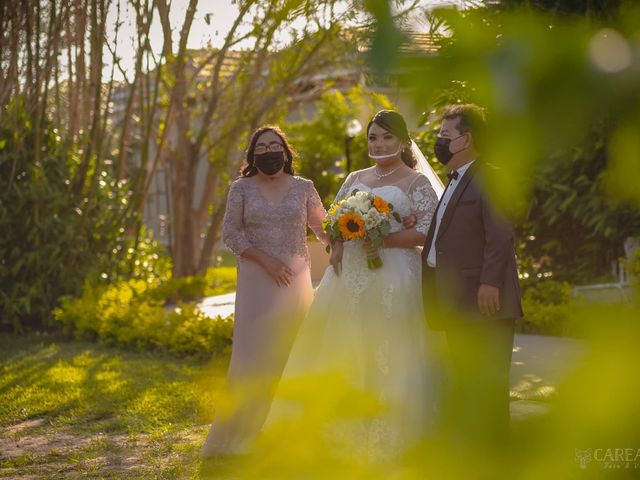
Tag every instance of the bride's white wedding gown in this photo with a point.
(365, 340)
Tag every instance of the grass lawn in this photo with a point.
(73, 409)
(220, 280)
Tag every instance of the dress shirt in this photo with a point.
(446, 198)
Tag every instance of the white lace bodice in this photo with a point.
(412, 196)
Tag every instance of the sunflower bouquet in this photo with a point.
(362, 216)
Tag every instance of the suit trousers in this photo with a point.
(478, 406)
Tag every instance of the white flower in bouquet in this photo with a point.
(362, 216)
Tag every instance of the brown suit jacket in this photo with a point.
(474, 246)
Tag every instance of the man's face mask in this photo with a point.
(442, 151)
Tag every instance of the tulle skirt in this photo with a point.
(364, 373)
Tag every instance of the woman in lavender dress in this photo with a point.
(268, 210)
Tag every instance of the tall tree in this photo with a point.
(189, 110)
(210, 115)
(63, 212)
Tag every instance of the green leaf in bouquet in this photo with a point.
(336, 231)
(396, 216)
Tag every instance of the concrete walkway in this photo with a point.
(539, 362)
(538, 366)
(220, 305)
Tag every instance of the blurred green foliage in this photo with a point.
(594, 410)
(559, 83)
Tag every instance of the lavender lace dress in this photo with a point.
(266, 316)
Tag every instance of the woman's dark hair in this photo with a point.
(393, 123)
(248, 167)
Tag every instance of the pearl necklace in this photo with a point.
(382, 175)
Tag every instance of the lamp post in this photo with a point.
(353, 130)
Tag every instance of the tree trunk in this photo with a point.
(183, 249)
(211, 238)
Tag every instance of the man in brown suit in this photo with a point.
(470, 284)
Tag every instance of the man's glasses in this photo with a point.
(272, 147)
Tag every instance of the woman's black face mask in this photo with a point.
(269, 163)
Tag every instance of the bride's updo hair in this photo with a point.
(393, 123)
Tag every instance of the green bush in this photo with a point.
(186, 289)
(548, 308)
(633, 267)
(549, 292)
(139, 257)
(220, 280)
(217, 281)
(135, 313)
(57, 231)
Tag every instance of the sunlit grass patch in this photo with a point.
(86, 410)
(82, 410)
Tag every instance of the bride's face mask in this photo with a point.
(382, 144)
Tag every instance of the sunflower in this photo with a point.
(351, 226)
(381, 205)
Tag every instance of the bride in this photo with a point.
(363, 368)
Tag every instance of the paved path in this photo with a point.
(539, 362)
(221, 305)
(538, 366)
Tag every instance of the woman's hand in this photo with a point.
(277, 270)
(409, 221)
(337, 249)
(368, 246)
